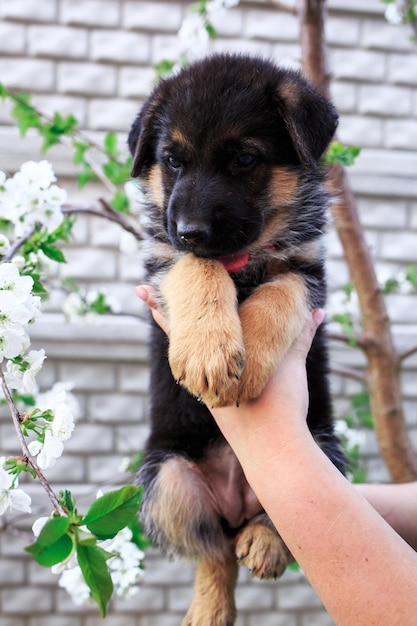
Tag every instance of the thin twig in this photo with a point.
(348, 372)
(344, 338)
(27, 457)
(401, 356)
(17, 244)
(106, 212)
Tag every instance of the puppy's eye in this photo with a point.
(173, 162)
(244, 160)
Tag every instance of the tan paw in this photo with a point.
(262, 551)
(209, 366)
(203, 614)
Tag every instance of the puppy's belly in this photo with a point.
(232, 497)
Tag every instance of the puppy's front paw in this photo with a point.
(209, 364)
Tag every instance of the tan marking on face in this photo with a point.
(178, 136)
(283, 186)
(155, 185)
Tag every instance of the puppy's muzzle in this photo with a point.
(193, 234)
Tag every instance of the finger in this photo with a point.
(147, 294)
(303, 342)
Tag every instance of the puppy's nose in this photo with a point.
(193, 234)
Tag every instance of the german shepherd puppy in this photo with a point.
(228, 155)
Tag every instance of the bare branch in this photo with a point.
(17, 244)
(348, 339)
(27, 457)
(407, 353)
(106, 212)
(348, 372)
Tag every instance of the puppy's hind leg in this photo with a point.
(213, 602)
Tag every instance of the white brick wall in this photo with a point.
(95, 58)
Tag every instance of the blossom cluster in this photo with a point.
(193, 35)
(29, 199)
(124, 564)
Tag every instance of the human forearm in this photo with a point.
(347, 551)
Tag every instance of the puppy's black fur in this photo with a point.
(227, 153)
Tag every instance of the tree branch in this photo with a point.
(106, 212)
(348, 372)
(382, 371)
(401, 356)
(27, 457)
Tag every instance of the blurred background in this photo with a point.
(97, 60)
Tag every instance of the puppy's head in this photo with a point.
(211, 143)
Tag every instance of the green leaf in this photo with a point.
(110, 144)
(52, 252)
(120, 202)
(80, 148)
(92, 561)
(54, 544)
(339, 154)
(113, 511)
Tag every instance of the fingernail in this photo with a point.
(142, 293)
(318, 316)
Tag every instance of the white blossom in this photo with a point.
(4, 244)
(193, 36)
(218, 5)
(393, 14)
(125, 566)
(23, 378)
(12, 498)
(48, 451)
(29, 197)
(74, 584)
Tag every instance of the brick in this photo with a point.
(148, 599)
(342, 31)
(11, 572)
(228, 24)
(89, 263)
(244, 46)
(56, 620)
(112, 114)
(316, 618)
(131, 438)
(136, 82)
(111, 620)
(385, 100)
(30, 74)
(402, 68)
(358, 65)
(383, 214)
(179, 598)
(24, 599)
(97, 13)
(399, 246)
(88, 376)
(156, 16)
(12, 38)
(272, 618)
(90, 438)
(86, 78)
(385, 36)
(57, 41)
(165, 47)
(106, 407)
(269, 25)
(134, 378)
(65, 105)
(344, 95)
(361, 131)
(287, 55)
(401, 134)
(29, 10)
(102, 469)
(119, 46)
(297, 596)
(260, 592)
(159, 619)
(402, 310)
(163, 571)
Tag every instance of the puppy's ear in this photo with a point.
(142, 136)
(311, 120)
